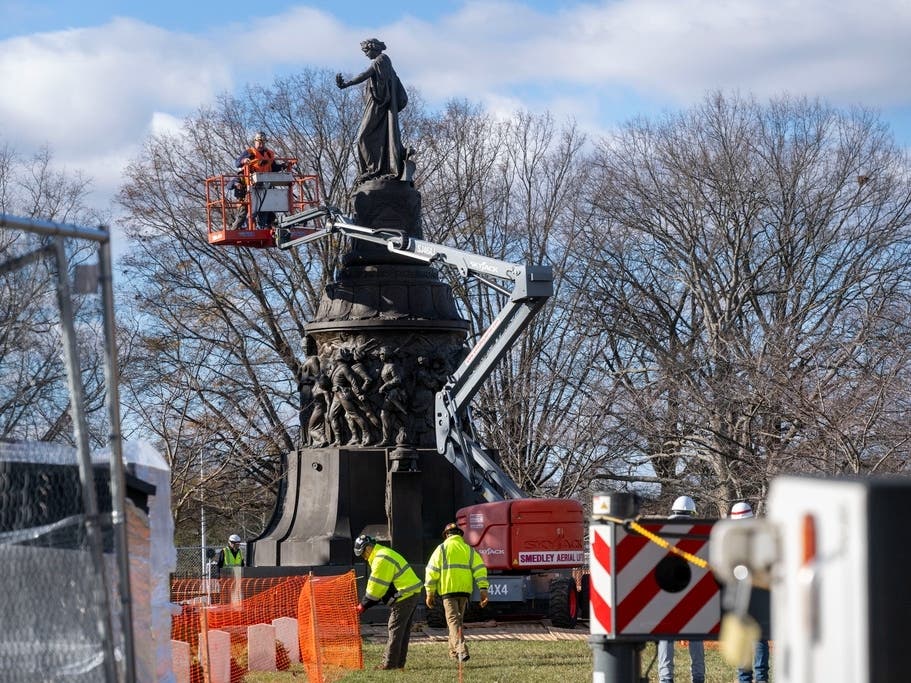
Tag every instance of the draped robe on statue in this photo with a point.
(379, 142)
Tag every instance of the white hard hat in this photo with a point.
(741, 510)
(684, 505)
(361, 543)
(233, 538)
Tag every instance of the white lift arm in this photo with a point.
(531, 287)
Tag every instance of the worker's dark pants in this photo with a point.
(401, 616)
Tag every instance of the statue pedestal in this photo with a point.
(331, 495)
(390, 204)
(405, 507)
(384, 339)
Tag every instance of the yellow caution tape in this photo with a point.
(657, 540)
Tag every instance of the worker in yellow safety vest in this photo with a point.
(392, 581)
(230, 555)
(453, 570)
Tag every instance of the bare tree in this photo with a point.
(510, 189)
(750, 269)
(34, 402)
(222, 328)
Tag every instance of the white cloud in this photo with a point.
(673, 50)
(500, 107)
(301, 36)
(93, 95)
(98, 87)
(165, 124)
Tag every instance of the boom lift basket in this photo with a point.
(275, 192)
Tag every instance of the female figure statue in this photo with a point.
(379, 141)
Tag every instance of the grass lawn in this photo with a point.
(506, 661)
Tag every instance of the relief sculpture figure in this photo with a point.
(306, 384)
(348, 401)
(392, 389)
(426, 384)
(317, 428)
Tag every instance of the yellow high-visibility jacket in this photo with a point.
(454, 568)
(389, 570)
(230, 558)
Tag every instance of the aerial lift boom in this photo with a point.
(529, 545)
(531, 287)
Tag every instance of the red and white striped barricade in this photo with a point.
(643, 591)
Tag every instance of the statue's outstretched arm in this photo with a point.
(360, 78)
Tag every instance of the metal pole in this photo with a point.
(205, 661)
(86, 472)
(54, 229)
(314, 621)
(118, 482)
(615, 661)
(202, 520)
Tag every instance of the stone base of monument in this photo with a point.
(384, 320)
(404, 497)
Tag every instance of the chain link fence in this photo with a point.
(63, 518)
(56, 605)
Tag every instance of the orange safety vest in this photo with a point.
(261, 162)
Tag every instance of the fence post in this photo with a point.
(315, 628)
(204, 643)
(614, 661)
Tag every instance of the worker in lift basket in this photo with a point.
(255, 159)
(452, 571)
(682, 507)
(760, 668)
(392, 581)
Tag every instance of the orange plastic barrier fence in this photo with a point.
(330, 632)
(218, 612)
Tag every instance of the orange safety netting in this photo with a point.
(330, 633)
(216, 616)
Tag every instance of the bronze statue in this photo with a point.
(379, 141)
(306, 387)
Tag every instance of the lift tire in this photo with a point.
(564, 603)
(436, 615)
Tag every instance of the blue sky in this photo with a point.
(93, 79)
